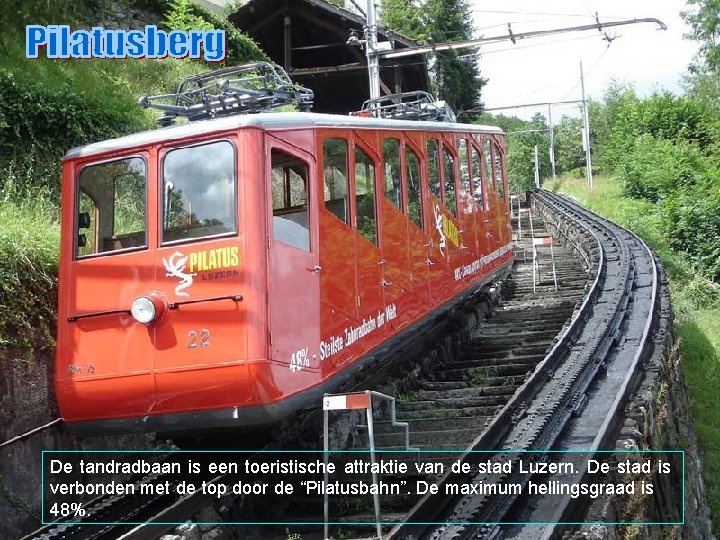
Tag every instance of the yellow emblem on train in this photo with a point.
(450, 230)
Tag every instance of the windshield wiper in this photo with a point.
(233, 297)
(74, 318)
(169, 186)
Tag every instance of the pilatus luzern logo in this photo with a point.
(175, 267)
(211, 264)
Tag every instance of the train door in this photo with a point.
(437, 248)
(466, 210)
(294, 288)
(491, 199)
(451, 219)
(202, 268)
(394, 236)
(104, 357)
(338, 309)
(479, 201)
(368, 267)
(417, 239)
(499, 167)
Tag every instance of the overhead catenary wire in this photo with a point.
(514, 37)
(547, 13)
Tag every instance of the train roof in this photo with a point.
(269, 121)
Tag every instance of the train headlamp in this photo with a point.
(144, 310)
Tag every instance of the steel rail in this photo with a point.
(428, 509)
(422, 512)
(563, 515)
(566, 509)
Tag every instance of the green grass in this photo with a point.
(29, 239)
(696, 307)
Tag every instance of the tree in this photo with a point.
(404, 17)
(703, 79)
(456, 76)
(569, 153)
(704, 20)
(603, 116)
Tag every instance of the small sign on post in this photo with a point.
(346, 401)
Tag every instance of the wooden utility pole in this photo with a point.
(552, 141)
(586, 130)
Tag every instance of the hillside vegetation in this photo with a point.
(50, 106)
(696, 308)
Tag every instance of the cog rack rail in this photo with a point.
(245, 89)
(416, 105)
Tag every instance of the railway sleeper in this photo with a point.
(474, 380)
(471, 392)
(487, 371)
(499, 353)
(455, 403)
(482, 361)
(433, 413)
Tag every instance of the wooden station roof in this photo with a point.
(308, 38)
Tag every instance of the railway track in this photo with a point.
(611, 333)
(516, 385)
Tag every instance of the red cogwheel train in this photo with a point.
(227, 272)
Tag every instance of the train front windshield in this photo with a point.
(112, 213)
(197, 199)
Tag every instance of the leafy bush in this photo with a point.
(691, 219)
(39, 122)
(663, 116)
(651, 168)
(185, 15)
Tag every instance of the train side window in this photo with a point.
(289, 178)
(449, 162)
(477, 178)
(464, 167)
(111, 211)
(335, 154)
(365, 195)
(489, 179)
(497, 168)
(199, 192)
(433, 160)
(391, 161)
(412, 173)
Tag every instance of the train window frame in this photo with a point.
(356, 195)
(465, 179)
(421, 214)
(348, 217)
(291, 160)
(434, 183)
(447, 152)
(163, 154)
(489, 176)
(477, 181)
(395, 185)
(94, 220)
(498, 173)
